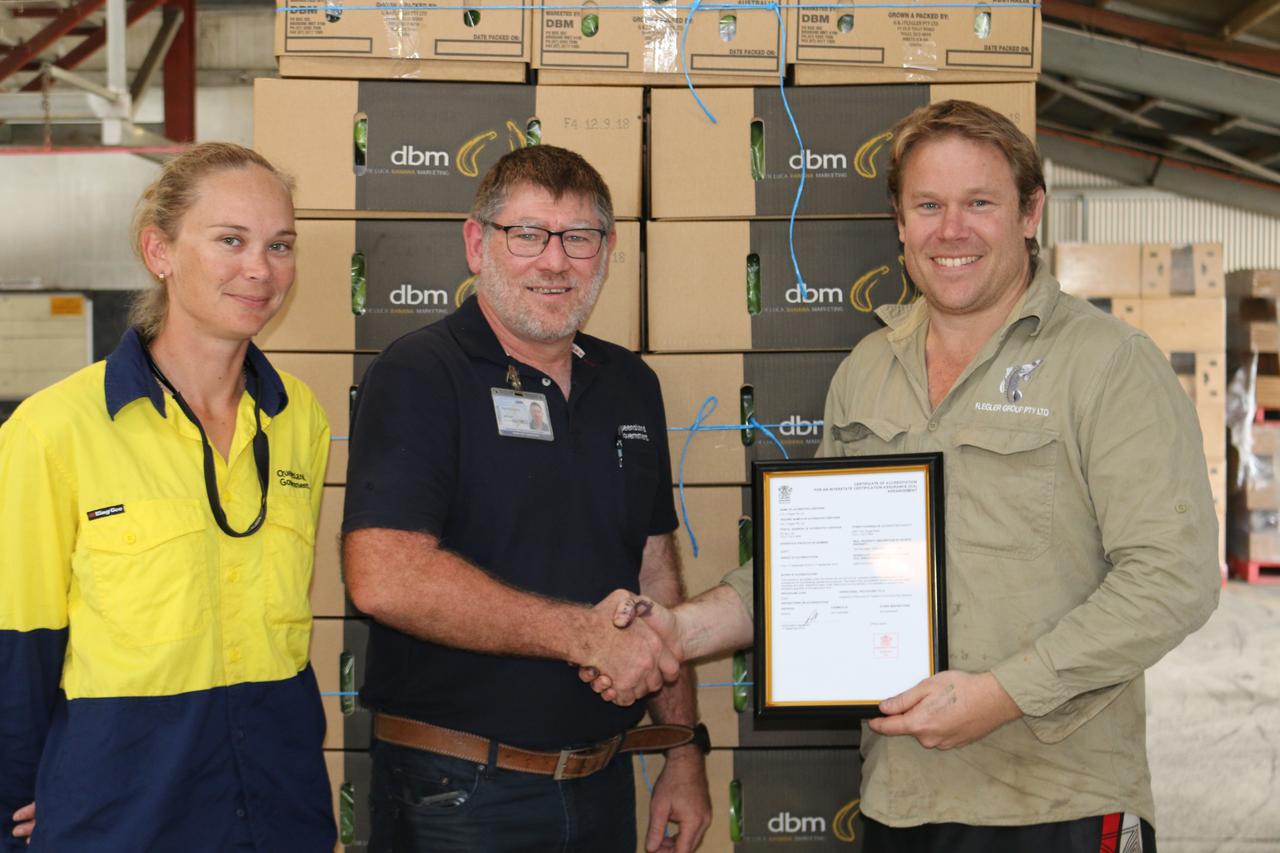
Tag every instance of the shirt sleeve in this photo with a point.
(402, 464)
(1143, 461)
(321, 447)
(38, 527)
(664, 508)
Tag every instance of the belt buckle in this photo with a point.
(603, 753)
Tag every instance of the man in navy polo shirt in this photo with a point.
(477, 541)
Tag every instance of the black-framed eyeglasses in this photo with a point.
(529, 241)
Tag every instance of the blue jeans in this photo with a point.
(421, 802)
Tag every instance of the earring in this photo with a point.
(162, 276)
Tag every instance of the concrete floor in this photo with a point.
(1213, 730)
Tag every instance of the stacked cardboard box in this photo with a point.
(1253, 342)
(1177, 295)
(387, 159)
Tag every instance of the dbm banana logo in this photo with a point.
(864, 161)
(842, 825)
(470, 150)
(465, 289)
(860, 293)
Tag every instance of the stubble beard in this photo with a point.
(504, 298)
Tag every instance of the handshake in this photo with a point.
(635, 648)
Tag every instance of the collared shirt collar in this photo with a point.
(472, 332)
(1036, 303)
(128, 377)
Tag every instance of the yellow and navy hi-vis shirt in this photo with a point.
(156, 691)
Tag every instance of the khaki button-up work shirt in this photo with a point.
(1081, 547)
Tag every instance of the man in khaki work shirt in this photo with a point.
(1081, 534)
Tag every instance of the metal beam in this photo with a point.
(180, 77)
(95, 40)
(1140, 169)
(29, 50)
(1159, 35)
(155, 54)
(1249, 16)
(1161, 74)
(1102, 104)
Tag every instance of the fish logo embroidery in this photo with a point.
(1015, 378)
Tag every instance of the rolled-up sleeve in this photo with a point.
(1142, 458)
(37, 527)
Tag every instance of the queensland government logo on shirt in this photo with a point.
(292, 479)
(1015, 379)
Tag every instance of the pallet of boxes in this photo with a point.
(1176, 294)
(384, 122)
(387, 118)
(742, 346)
(1253, 339)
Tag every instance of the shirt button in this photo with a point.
(233, 576)
(130, 538)
(239, 812)
(239, 734)
(234, 655)
(933, 425)
(545, 381)
(1181, 506)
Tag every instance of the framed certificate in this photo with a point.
(850, 597)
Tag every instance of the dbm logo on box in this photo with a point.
(407, 155)
(815, 162)
(799, 427)
(787, 822)
(815, 295)
(407, 294)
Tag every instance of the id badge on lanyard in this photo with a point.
(521, 414)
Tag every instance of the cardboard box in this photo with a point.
(350, 774)
(328, 592)
(648, 45)
(1252, 324)
(1262, 283)
(787, 392)
(806, 799)
(720, 518)
(704, 170)
(1204, 376)
(414, 272)
(404, 40)
(1094, 270)
(898, 43)
(744, 278)
(329, 375)
(1178, 324)
(337, 656)
(426, 145)
(1193, 270)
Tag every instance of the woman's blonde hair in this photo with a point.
(167, 200)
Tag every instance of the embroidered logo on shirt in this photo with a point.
(633, 431)
(1015, 378)
(292, 479)
(95, 514)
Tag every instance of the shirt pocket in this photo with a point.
(149, 568)
(1001, 486)
(290, 534)
(640, 476)
(868, 437)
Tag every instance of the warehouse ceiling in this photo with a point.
(1179, 94)
(1183, 95)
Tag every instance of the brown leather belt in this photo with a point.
(565, 764)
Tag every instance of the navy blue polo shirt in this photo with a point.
(560, 518)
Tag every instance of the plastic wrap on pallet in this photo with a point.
(1262, 521)
(1242, 405)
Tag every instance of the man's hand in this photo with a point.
(636, 660)
(24, 820)
(631, 609)
(948, 710)
(680, 797)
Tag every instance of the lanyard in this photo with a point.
(261, 453)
